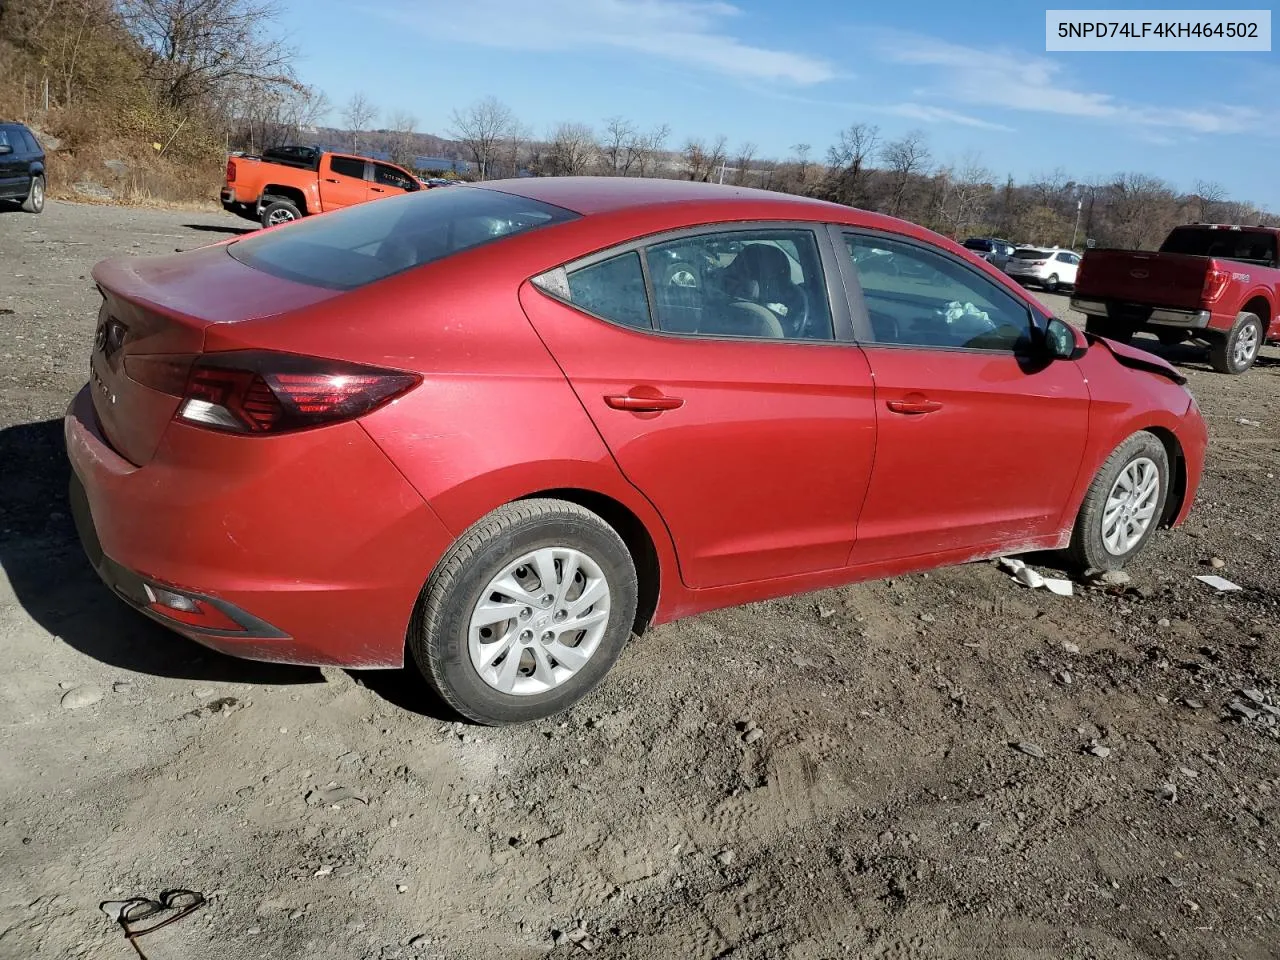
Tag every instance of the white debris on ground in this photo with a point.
(1030, 578)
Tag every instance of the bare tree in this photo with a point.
(1208, 195)
(848, 158)
(196, 48)
(1141, 209)
(695, 159)
(717, 158)
(968, 189)
(617, 145)
(358, 115)
(742, 162)
(649, 149)
(906, 157)
(482, 128)
(403, 125)
(801, 153)
(571, 150)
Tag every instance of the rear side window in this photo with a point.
(361, 244)
(613, 289)
(7, 138)
(30, 140)
(392, 177)
(347, 167)
(984, 245)
(1249, 245)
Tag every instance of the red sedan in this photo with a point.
(496, 430)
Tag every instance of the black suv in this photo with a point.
(21, 167)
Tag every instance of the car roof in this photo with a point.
(593, 195)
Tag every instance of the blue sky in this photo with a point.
(974, 77)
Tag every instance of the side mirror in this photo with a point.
(5, 148)
(1059, 339)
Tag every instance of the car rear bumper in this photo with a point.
(1138, 314)
(312, 543)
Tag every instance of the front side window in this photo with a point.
(366, 242)
(916, 297)
(764, 284)
(612, 289)
(391, 177)
(347, 167)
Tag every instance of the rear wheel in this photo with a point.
(1235, 351)
(1123, 506)
(526, 613)
(280, 211)
(1116, 330)
(1051, 282)
(35, 196)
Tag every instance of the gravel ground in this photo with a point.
(948, 765)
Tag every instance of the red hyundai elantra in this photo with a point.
(503, 426)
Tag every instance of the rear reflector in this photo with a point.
(187, 610)
(258, 392)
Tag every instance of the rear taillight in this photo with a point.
(231, 171)
(258, 392)
(1215, 282)
(1079, 274)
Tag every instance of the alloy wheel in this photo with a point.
(1131, 506)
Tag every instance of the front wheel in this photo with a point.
(35, 196)
(1123, 506)
(526, 613)
(1236, 351)
(1051, 283)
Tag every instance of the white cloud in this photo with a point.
(930, 114)
(691, 32)
(1039, 85)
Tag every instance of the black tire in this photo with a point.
(280, 211)
(1051, 283)
(1227, 352)
(34, 202)
(438, 636)
(1087, 550)
(1116, 330)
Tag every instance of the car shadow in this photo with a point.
(219, 228)
(52, 580)
(1192, 355)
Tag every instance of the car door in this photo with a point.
(342, 181)
(1068, 265)
(13, 163)
(727, 390)
(389, 181)
(978, 443)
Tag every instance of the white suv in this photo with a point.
(1051, 268)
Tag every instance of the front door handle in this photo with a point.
(331, 180)
(913, 407)
(643, 404)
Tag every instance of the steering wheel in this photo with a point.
(796, 320)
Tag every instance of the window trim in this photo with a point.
(862, 317)
(828, 260)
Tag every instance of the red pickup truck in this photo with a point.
(1211, 282)
(291, 182)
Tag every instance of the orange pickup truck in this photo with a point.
(286, 183)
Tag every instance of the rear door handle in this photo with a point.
(913, 407)
(643, 404)
(377, 190)
(331, 180)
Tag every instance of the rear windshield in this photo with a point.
(978, 244)
(1026, 254)
(364, 243)
(1248, 245)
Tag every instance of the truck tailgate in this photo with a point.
(1155, 279)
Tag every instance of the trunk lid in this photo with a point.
(1150, 279)
(163, 306)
